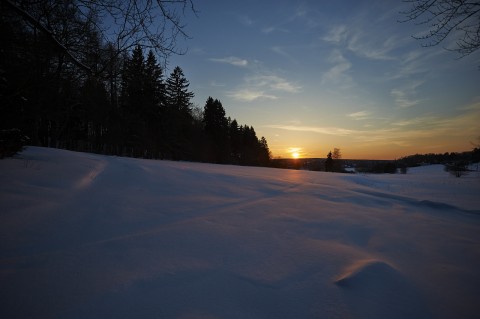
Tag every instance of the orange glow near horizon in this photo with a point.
(295, 152)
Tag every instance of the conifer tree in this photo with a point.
(177, 123)
(177, 93)
(154, 85)
(154, 94)
(133, 78)
(234, 141)
(216, 127)
(264, 152)
(133, 103)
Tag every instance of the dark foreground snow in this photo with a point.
(89, 236)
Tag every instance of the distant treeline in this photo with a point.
(127, 107)
(339, 165)
(451, 160)
(445, 158)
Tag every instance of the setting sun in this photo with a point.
(295, 152)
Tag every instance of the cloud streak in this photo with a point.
(405, 97)
(273, 82)
(361, 43)
(338, 73)
(262, 86)
(361, 115)
(336, 34)
(249, 95)
(232, 60)
(322, 130)
(403, 132)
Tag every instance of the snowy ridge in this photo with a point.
(90, 236)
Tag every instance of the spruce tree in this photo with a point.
(234, 136)
(154, 95)
(216, 127)
(154, 85)
(264, 152)
(133, 103)
(178, 119)
(177, 93)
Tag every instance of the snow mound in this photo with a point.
(376, 289)
(368, 272)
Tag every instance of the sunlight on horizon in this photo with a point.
(295, 152)
(365, 87)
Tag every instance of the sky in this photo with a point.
(311, 76)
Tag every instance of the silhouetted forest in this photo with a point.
(456, 161)
(126, 105)
(442, 158)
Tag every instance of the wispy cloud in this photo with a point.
(406, 132)
(415, 63)
(249, 95)
(322, 130)
(402, 99)
(262, 86)
(371, 48)
(273, 82)
(403, 132)
(272, 29)
(473, 107)
(467, 118)
(361, 115)
(423, 121)
(405, 97)
(361, 43)
(299, 14)
(336, 34)
(245, 20)
(411, 131)
(232, 60)
(303, 14)
(281, 51)
(337, 73)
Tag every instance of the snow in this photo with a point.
(91, 236)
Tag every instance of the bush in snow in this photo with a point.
(457, 169)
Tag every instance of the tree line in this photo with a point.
(125, 105)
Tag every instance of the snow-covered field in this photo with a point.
(90, 236)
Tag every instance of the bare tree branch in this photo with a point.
(444, 18)
(51, 36)
(153, 24)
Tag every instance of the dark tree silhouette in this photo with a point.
(264, 153)
(134, 103)
(178, 114)
(445, 17)
(129, 110)
(216, 127)
(329, 163)
(235, 139)
(177, 93)
(337, 160)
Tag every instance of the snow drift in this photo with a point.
(90, 236)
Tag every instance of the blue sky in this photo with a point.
(314, 75)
